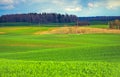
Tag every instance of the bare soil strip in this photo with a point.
(78, 30)
(2, 32)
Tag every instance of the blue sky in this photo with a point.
(76, 7)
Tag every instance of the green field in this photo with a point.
(23, 54)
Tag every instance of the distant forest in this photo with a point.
(99, 18)
(45, 18)
(42, 18)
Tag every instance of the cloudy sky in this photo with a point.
(77, 7)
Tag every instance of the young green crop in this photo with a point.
(23, 54)
(13, 68)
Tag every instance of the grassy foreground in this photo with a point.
(10, 68)
(23, 54)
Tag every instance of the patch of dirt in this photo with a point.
(96, 30)
(44, 32)
(79, 30)
(28, 45)
(2, 32)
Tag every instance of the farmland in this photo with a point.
(26, 54)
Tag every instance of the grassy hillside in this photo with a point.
(92, 23)
(23, 54)
(34, 24)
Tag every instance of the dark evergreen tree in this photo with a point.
(41, 18)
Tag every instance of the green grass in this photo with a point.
(23, 30)
(16, 24)
(11, 68)
(23, 54)
(24, 24)
(99, 26)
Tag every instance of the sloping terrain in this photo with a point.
(78, 30)
(26, 53)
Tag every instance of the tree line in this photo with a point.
(99, 18)
(41, 18)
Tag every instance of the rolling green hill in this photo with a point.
(23, 54)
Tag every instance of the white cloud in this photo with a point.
(113, 4)
(58, 5)
(9, 7)
(6, 1)
(75, 9)
(104, 7)
(58, 2)
(9, 4)
(38, 1)
(90, 5)
(108, 4)
(93, 5)
(69, 6)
